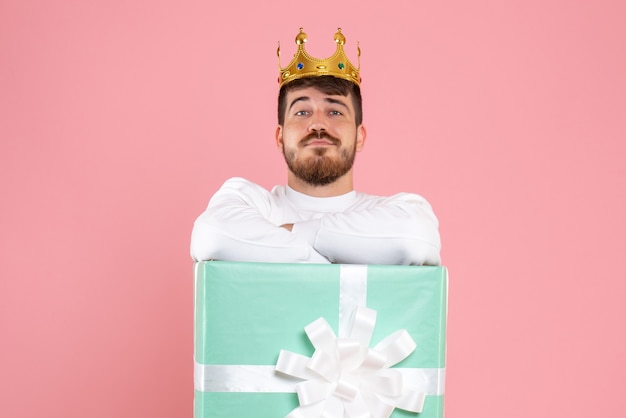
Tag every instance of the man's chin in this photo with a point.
(318, 151)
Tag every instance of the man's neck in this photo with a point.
(339, 187)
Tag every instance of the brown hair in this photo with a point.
(327, 84)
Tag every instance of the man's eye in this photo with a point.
(301, 113)
(336, 113)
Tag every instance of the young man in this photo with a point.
(317, 217)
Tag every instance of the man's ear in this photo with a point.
(361, 133)
(279, 137)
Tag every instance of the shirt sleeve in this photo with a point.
(400, 229)
(236, 226)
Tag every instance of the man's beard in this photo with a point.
(319, 169)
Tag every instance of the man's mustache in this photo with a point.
(319, 135)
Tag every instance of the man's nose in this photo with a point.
(317, 123)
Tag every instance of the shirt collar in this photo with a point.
(322, 204)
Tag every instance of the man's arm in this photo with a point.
(236, 227)
(400, 229)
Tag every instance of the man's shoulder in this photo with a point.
(243, 186)
(240, 183)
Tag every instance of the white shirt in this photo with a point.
(243, 223)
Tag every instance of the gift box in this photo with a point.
(275, 340)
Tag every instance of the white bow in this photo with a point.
(347, 378)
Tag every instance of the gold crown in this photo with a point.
(304, 65)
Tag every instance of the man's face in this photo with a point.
(319, 138)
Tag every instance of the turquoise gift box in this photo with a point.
(247, 313)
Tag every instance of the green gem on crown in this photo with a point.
(341, 65)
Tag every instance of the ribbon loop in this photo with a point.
(293, 364)
(396, 347)
(377, 407)
(362, 327)
(320, 334)
(374, 360)
(411, 401)
(312, 391)
(324, 363)
(345, 390)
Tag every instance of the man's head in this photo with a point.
(320, 130)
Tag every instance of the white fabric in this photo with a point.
(242, 223)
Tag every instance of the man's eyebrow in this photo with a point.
(298, 99)
(336, 101)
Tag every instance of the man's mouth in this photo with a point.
(316, 140)
(319, 143)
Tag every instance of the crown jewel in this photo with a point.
(304, 65)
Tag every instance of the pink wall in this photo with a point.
(119, 119)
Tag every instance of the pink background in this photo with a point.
(119, 119)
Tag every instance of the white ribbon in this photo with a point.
(352, 293)
(255, 378)
(240, 378)
(345, 377)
